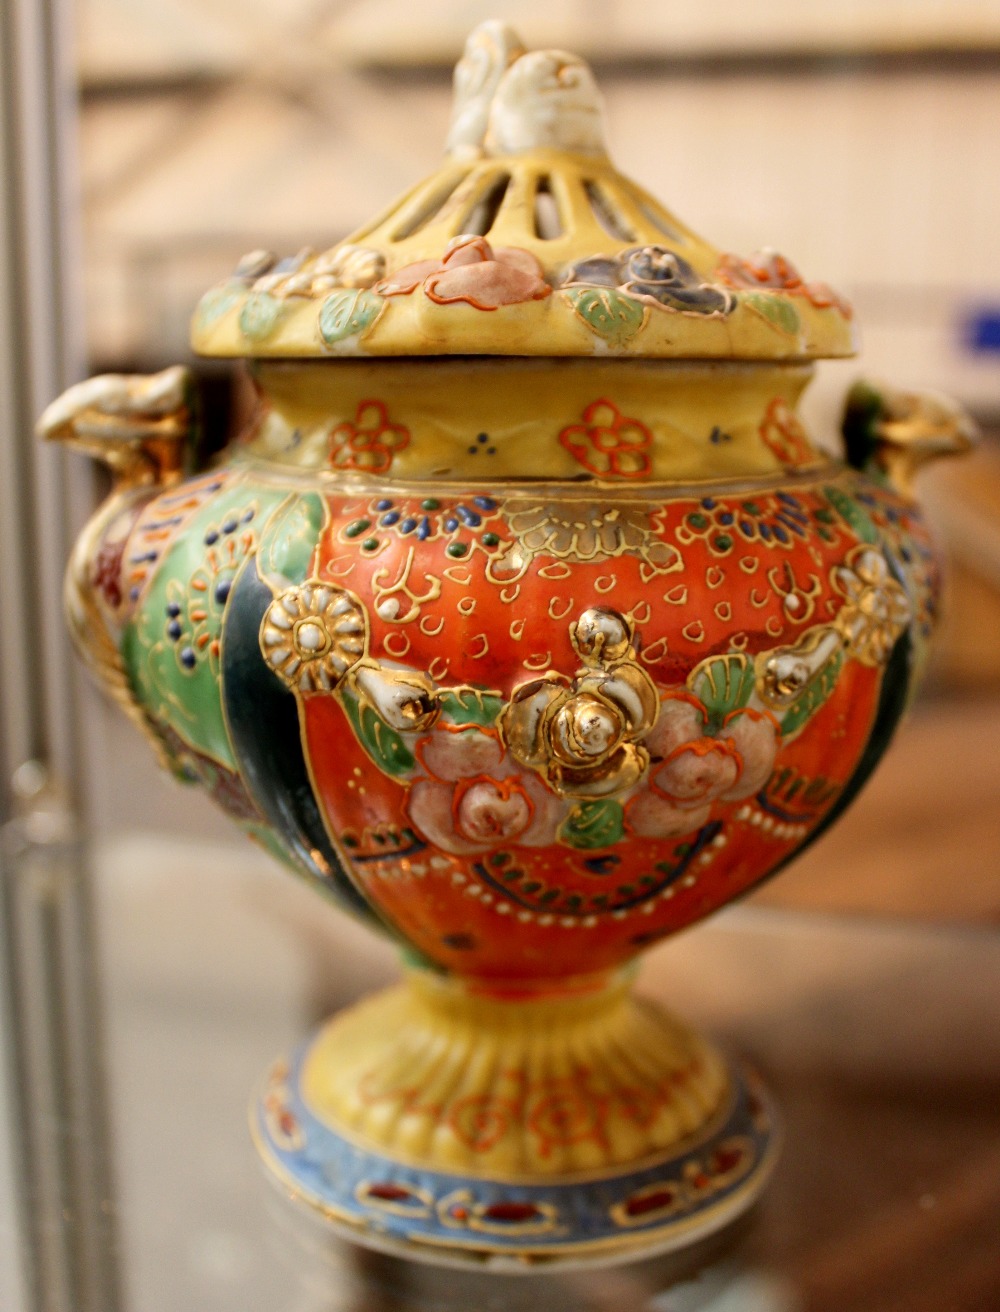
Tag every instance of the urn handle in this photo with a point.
(892, 434)
(141, 426)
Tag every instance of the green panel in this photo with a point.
(289, 542)
(171, 647)
(853, 513)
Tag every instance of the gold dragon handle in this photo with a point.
(892, 434)
(141, 426)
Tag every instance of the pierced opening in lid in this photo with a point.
(607, 213)
(547, 214)
(659, 221)
(482, 215)
(428, 210)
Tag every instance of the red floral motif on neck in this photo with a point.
(370, 442)
(608, 443)
(783, 435)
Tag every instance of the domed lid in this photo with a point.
(527, 241)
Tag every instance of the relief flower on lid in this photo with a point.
(766, 270)
(655, 275)
(473, 272)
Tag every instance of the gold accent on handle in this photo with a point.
(895, 433)
(139, 425)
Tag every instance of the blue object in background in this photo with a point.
(981, 331)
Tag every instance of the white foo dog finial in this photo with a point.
(509, 101)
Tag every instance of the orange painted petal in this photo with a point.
(475, 250)
(485, 286)
(407, 279)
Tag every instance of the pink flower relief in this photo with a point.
(473, 272)
(473, 797)
(690, 768)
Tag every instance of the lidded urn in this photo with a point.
(527, 622)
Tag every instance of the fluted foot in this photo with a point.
(447, 1124)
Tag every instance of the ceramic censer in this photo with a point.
(526, 622)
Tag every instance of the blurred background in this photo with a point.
(859, 137)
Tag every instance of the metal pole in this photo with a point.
(60, 1257)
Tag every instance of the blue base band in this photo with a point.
(440, 1216)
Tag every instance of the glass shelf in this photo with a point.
(880, 1043)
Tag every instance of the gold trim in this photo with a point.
(331, 483)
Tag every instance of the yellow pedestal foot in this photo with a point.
(448, 1124)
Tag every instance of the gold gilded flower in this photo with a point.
(876, 609)
(582, 734)
(311, 635)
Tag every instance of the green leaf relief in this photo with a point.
(215, 303)
(172, 647)
(383, 744)
(813, 695)
(594, 824)
(722, 684)
(348, 312)
(470, 706)
(260, 314)
(777, 310)
(608, 313)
